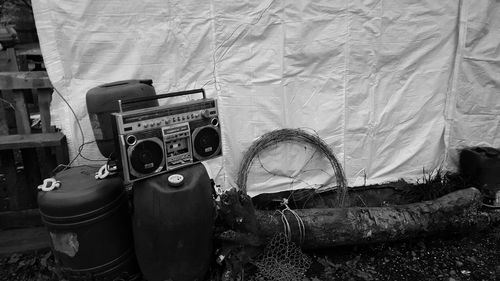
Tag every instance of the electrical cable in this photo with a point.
(80, 148)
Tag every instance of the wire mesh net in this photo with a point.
(281, 260)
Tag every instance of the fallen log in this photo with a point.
(453, 213)
(456, 212)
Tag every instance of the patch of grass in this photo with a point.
(433, 185)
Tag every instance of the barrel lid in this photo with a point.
(488, 151)
(79, 194)
(176, 180)
(103, 98)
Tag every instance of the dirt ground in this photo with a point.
(472, 256)
(475, 256)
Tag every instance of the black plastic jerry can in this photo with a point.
(173, 223)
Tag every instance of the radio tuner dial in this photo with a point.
(205, 113)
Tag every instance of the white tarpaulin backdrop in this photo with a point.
(393, 87)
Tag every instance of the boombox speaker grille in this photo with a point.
(146, 156)
(206, 142)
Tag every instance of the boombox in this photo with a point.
(164, 138)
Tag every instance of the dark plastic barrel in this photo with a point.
(173, 225)
(103, 100)
(89, 225)
(480, 166)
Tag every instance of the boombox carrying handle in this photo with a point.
(162, 96)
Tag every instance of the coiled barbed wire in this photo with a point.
(292, 135)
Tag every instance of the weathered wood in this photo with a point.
(32, 173)
(62, 155)
(455, 212)
(28, 54)
(31, 49)
(22, 115)
(20, 219)
(4, 128)
(4, 192)
(4, 203)
(8, 60)
(23, 240)
(45, 155)
(24, 80)
(48, 161)
(37, 150)
(32, 140)
(44, 99)
(7, 63)
(8, 171)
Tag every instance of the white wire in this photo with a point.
(286, 225)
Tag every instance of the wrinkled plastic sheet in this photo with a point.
(473, 110)
(393, 87)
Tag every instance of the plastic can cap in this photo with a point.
(175, 180)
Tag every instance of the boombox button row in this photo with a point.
(153, 124)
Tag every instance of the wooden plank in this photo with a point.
(8, 60)
(4, 128)
(22, 63)
(26, 194)
(4, 204)
(4, 194)
(8, 63)
(23, 240)
(20, 184)
(24, 80)
(62, 154)
(19, 219)
(44, 99)
(30, 49)
(5, 61)
(45, 155)
(10, 110)
(48, 161)
(3, 187)
(30, 141)
(22, 115)
(8, 170)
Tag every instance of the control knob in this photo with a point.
(205, 113)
